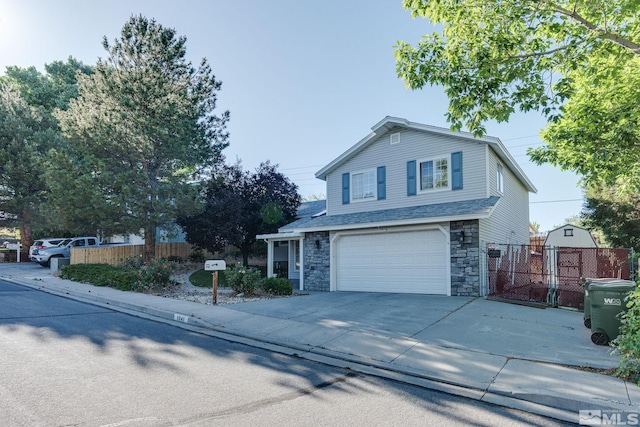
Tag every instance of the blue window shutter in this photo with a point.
(345, 188)
(382, 182)
(456, 170)
(411, 178)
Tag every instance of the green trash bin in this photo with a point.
(607, 300)
(586, 284)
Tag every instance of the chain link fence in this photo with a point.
(551, 275)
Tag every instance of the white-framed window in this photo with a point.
(363, 185)
(434, 174)
(500, 179)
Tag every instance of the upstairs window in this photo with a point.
(500, 179)
(363, 185)
(434, 174)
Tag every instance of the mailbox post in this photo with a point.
(215, 265)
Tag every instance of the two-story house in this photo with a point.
(410, 208)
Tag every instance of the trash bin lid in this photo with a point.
(608, 280)
(613, 285)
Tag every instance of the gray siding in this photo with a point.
(413, 145)
(509, 222)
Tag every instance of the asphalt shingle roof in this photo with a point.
(467, 208)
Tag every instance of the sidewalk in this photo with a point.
(510, 355)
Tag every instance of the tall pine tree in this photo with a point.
(141, 129)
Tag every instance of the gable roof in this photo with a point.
(389, 123)
(575, 227)
(425, 214)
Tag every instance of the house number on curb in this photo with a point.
(215, 265)
(181, 318)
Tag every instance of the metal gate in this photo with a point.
(551, 275)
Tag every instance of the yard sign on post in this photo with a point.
(215, 265)
(15, 246)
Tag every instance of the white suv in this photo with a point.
(44, 243)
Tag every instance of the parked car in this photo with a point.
(44, 243)
(63, 250)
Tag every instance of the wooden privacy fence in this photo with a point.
(115, 255)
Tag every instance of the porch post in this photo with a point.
(269, 258)
(301, 249)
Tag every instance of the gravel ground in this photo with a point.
(184, 290)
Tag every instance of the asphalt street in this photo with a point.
(72, 363)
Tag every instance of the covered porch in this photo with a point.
(284, 257)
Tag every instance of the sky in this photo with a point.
(303, 80)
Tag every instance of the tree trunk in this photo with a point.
(149, 242)
(26, 235)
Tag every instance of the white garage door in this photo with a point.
(403, 262)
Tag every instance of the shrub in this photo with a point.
(175, 258)
(277, 286)
(628, 342)
(243, 279)
(100, 275)
(132, 262)
(197, 256)
(154, 274)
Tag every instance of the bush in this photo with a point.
(628, 342)
(277, 286)
(132, 262)
(243, 279)
(175, 258)
(100, 275)
(197, 256)
(154, 274)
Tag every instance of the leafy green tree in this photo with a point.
(27, 131)
(617, 217)
(239, 206)
(142, 127)
(575, 62)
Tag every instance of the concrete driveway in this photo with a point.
(475, 325)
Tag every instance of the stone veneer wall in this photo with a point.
(465, 258)
(316, 261)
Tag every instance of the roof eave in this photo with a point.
(395, 223)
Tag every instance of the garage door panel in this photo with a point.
(407, 262)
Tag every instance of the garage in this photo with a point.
(414, 261)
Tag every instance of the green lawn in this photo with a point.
(204, 279)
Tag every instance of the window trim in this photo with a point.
(374, 184)
(419, 162)
(568, 232)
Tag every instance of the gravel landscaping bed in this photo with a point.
(182, 289)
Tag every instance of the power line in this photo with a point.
(520, 137)
(557, 201)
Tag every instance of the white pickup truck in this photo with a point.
(63, 250)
